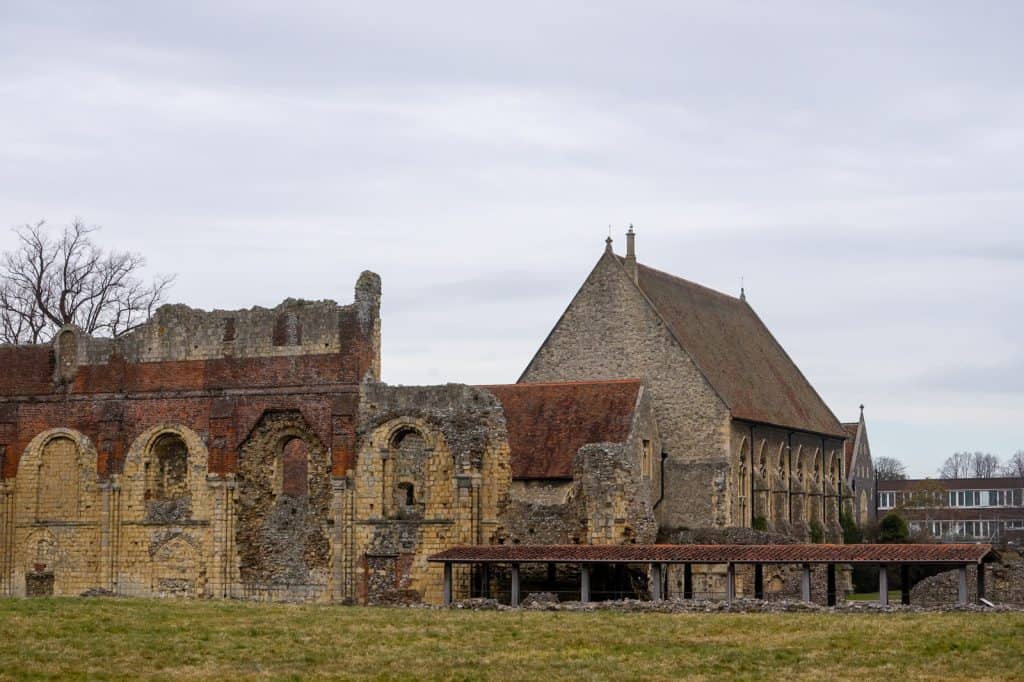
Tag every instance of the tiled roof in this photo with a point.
(548, 422)
(851, 437)
(720, 554)
(744, 363)
(953, 483)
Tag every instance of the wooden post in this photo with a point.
(655, 582)
(905, 584)
(687, 581)
(758, 581)
(831, 584)
(485, 579)
(584, 583)
(961, 592)
(447, 583)
(515, 585)
(883, 585)
(805, 583)
(981, 582)
(730, 582)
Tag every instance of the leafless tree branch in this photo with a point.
(49, 281)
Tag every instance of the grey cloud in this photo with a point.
(857, 163)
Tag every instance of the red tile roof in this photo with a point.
(720, 554)
(739, 356)
(548, 422)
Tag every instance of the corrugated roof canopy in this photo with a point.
(548, 422)
(739, 356)
(721, 554)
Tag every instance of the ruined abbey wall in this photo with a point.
(192, 457)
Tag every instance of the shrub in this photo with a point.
(892, 528)
(852, 534)
(817, 532)
(760, 523)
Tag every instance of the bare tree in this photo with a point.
(52, 280)
(970, 465)
(987, 465)
(1015, 465)
(889, 469)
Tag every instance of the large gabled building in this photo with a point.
(747, 441)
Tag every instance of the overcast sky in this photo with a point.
(858, 165)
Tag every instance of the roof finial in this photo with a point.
(743, 291)
(862, 410)
(608, 242)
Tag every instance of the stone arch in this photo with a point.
(282, 537)
(294, 467)
(42, 561)
(414, 469)
(743, 482)
(780, 494)
(164, 479)
(57, 477)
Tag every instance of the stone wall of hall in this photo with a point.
(788, 479)
(433, 472)
(610, 332)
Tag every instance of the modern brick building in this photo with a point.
(958, 509)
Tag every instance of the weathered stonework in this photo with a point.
(720, 470)
(153, 464)
(450, 486)
(254, 454)
(609, 332)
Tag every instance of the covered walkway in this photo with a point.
(658, 557)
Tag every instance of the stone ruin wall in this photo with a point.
(450, 487)
(83, 422)
(608, 500)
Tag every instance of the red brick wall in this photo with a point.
(221, 399)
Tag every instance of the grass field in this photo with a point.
(894, 596)
(114, 638)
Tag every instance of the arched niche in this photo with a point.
(66, 352)
(56, 480)
(164, 479)
(417, 470)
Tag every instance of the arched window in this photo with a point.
(167, 470)
(408, 461)
(295, 468)
(59, 481)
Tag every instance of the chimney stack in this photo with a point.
(631, 254)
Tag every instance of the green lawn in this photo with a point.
(114, 638)
(894, 596)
